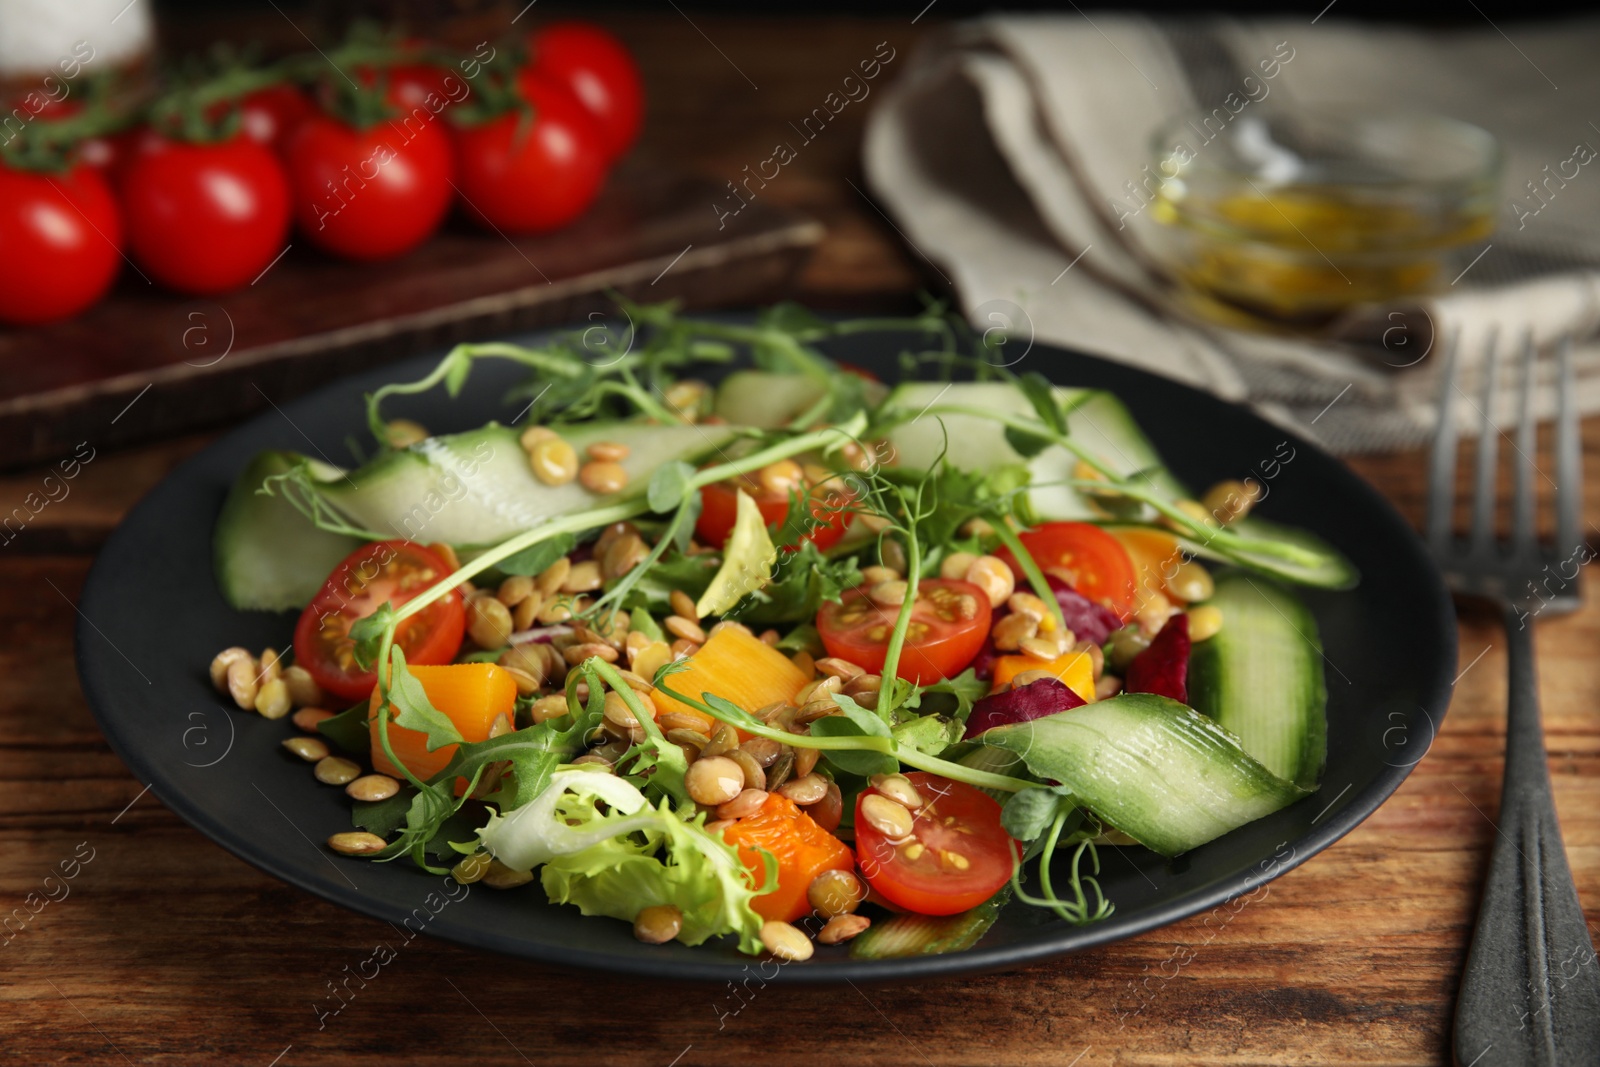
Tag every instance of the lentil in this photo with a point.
(1205, 622)
(871, 576)
(754, 776)
(608, 451)
(603, 478)
(1127, 643)
(488, 622)
(403, 433)
(724, 740)
(357, 843)
(499, 876)
(687, 629)
(748, 802)
(310, 749)
(1009, 633)
(584, 577)
(372, 787)
(514, 590)
(804, 790)
(303, 689)
(1190, 582)
(990, 574)
(785, 941)
(307, 718)
(889, 817)
(781, 477)
(272, 699)
(1107, 687)
(533, 435)
(898, 788)
(471, 868)
(683, 605)
(713, 780)
(224, 660)
(651, 659)
(335, 770)
(835, 893)
(842, 928)
(553, 461)
(553, 577)
(658, 924)
(578, 653)
(1230, 500)
(242, 681)
(954, 566)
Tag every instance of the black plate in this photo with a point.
(152, 619)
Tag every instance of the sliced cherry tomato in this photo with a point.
(59, 236)
(597, 70)
(528, 174)
(384, 571)
(957, 857)
(1098, 566)
(719, 506)
(948, 626)
(374, 193)
(270, 116)
(205, 218)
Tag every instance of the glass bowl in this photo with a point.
(1297, 215)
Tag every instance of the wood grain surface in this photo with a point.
(166, 949)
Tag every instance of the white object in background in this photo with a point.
(36, 35)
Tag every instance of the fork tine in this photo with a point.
(1523, 469)
(1483, 495)
(1569, 456)
(1442, 463)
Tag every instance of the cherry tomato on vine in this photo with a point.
(524, 173)
(949, 623)
(410, 85)
(392, 571)
(958, 856)
(269, 116)
(59, 241)
(1100, 566)
(599, 72)
(369, 194)
(719, 507)
(204, 218)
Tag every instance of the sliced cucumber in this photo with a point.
(1162, 773)
(925, 935)
(268, 556)
(1261, 677)
(769, 401)
(476, 488)
(1096, 419)
(469, 490)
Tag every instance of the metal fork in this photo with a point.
(1531, 991)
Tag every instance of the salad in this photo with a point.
(801, 657)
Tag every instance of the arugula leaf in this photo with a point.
(951, 697)
(536, 559)
(414, 710)
(932, 733)
(803, 638)
(804, 580)
(1041, 394)
(672, 571)
(855, 721)
(669, 487)
(1028, 813)
(348, 730)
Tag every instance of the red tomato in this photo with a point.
(1100, 567)
(949, 624)
(59, 241)
(954, 820)
(269, 116)
(205, 218)
(597, 69)
(392, 571)
(527, 175)
(370, 194)
(719, 507)
(410, 85)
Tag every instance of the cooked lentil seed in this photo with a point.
(608, 451)
(372, 787)
(618, 712)
(242, 681)
(310, 749)
(603, 478)
(687, 629)
(785, 941)
(488, 622)
(755, 777)
(892, 555)
(898, 788)
(623, 554)
(272, 699)
(1230, 500)
(499, 876)
(748, 802)
(269, 666)
(954, 567)
(221, 663)
(1009, 633)
(817, 709)
(763, 750)
(1028, 604)
(871, 576)
(1205, 622)
(835, 893)
(514, 590)
(1039, 648)
(682, 736)
(1107, 687)
(1154, 613)
(1126, 643)
(526, 612)
(335, 770)
(683, 605)
(864, 683)
(990, 574)
(713, 780)
(780, 478)
(890, 594)
(471, 868)
(403, 433)
(357, 843)
(578, 653)
(805, 761)
(842, 928)
(804, 662)
(771, 637)
(683, 648)
(303, 689)
(1191, 582)
(651, 658)
(641, 686)
(584, 577)
(553, 577)
(553, 460)
(1029, 677)
(528, 659)
(842, 669)
(658, 924)
(677, 720)
(307, 718)
(805, 790)
(595, 759)
(724, 740)
(889, 817)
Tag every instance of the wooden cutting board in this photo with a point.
(147, 363)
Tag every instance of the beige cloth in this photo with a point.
(1005, 150)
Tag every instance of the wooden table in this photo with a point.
(168, 949)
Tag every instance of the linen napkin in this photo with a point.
(1015, 155)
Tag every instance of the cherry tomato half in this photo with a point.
(948, 626)
(595, 68)
(374, 193)
(392, 571)
(1099, 566)
(719, 507)
(528, 174)
(957, 857)
(59, 235)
